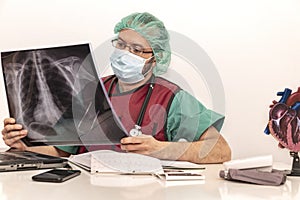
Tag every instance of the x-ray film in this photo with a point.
(56, 94)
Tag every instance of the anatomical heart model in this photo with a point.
(284, 120)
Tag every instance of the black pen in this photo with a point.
(183, 168)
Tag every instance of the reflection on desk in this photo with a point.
(18, 185)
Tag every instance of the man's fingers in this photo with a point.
(133, 147)
(135, 140)
(14, 134)
(9, 121)
(11, 141)
(10, 128)
(131, 140)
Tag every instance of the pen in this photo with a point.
(183, 168)
(183, 174)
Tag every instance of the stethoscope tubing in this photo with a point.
(145, 103)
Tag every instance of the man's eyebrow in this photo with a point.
(119, 38)
(135, 44)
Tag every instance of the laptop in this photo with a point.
(57, 95)
(26, 160)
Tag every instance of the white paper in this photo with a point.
(111, 161)
(82, 160)
(106, 161)
(250, 162)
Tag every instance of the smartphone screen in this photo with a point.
(56, 175)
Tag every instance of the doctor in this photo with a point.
(165, 121)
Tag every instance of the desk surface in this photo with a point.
(18, 185)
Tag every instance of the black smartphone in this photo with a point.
(56, 175)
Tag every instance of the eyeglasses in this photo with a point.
(135, 49)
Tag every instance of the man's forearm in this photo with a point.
(201, 152)
(195, 152)
(210, 148)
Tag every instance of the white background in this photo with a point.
(255, 46)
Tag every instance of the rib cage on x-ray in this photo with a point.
(43, 82)
(55, 93)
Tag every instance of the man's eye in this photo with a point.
(121, 45)
(137, 50)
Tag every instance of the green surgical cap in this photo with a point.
(154, 31)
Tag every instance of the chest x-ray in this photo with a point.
(55, 93)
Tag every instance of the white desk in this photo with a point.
(19, 186)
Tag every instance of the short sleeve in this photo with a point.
(188, 118)
(69, 149)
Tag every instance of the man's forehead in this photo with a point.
(132, 37)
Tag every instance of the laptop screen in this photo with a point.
(55, 93)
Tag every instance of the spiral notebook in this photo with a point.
(111, 162)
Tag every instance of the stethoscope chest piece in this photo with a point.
(136, 131)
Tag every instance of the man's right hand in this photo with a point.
(12, 134)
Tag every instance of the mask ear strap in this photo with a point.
(151, 58)
(148, 69)
(151, 61)
(150, 64)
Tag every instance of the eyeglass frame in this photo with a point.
(131, 49)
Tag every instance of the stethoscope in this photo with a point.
(137, 127)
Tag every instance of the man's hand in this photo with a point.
(142, 144)
(12, 134)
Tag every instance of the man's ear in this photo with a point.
(153, 61)
(150, 64)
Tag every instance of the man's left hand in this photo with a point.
(142, 144)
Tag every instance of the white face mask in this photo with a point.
(127, 66)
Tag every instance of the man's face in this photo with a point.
(136, 44)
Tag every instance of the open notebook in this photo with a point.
(111, 162)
